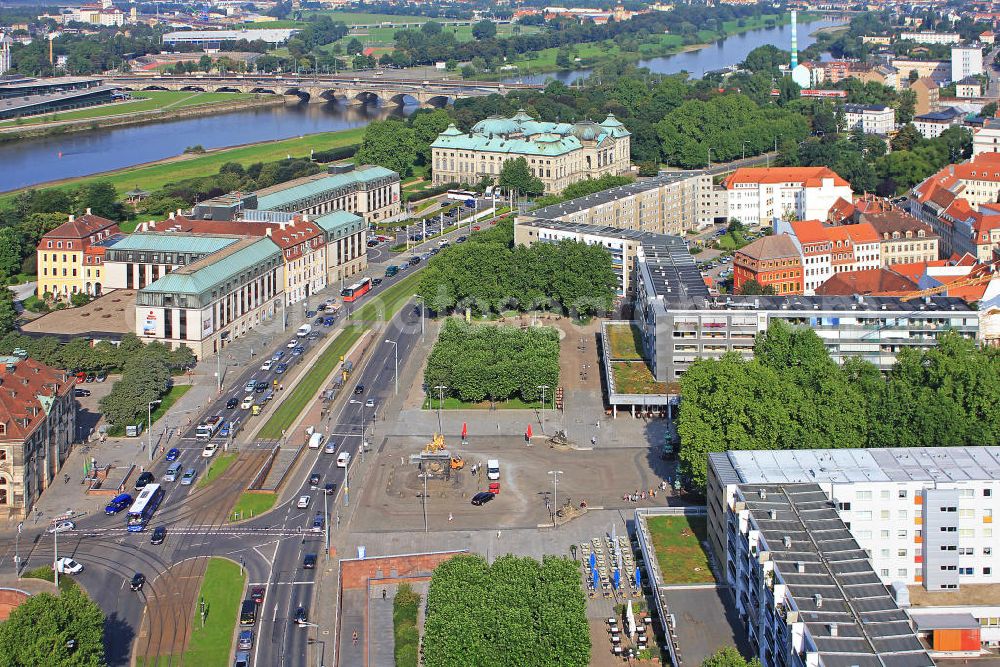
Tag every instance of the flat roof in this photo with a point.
(283, 196)
(28, 101)
(594, 230)
(108, 316)
(49, 81)
(830, 580)
(199, 277)
(166, 241)
(892, 464)
(969, 595)
(941, 621)
(672, 272)
(556, 211)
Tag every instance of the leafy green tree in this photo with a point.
(100, 197)
(8, 314)
(752, 287)
(426, 128)
(390, 144)
(766, 58)
(516, 175)
(11, 251)
(728, 657)
(484, 30)
(907, 138)
(63, 631)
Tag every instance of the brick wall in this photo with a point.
(356, 573)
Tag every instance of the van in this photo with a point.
(248, 612)
(304, 330)
(493, 469)
(391, 270)
(172, 472)
(119, 503)
(315, 440)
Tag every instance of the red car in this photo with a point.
(81, 377)
(257, 594)
(495, 488)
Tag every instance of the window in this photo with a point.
(863, 516)
(903, 514)
(966, 532)
(966, 493)
(901, 534)
(884, 534)
(843, 507)
(966, 570)
(987, 551)
(901, 553)
(949, 509)
(884, 572)
(884, 553)
(948, 529)
(864, 495)
(902, 493)
(967, 514)
(884, 514)
(903, 572)
(987, 492)
(987, 532)
(884, 494)
(948, 568)
(987, 570)
(948, 547)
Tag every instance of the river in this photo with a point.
(721, 54)
(35, 161)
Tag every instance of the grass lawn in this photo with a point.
(222, 590)
(731, 241)
(252, 504)
(365, 18)
(453, 403)
(220, 463)
(624, 342)
(155, 176)
(172, 397)
(148, 100)
(405, 606)
(45, 573)
(309, 385)
(634, 377)
(677, 541)
(384, 306)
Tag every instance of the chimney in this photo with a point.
(763, 494)
(268, 232)
(800, 567)
(773, 514)
(819, 600)
(88, 211)
(833, 630)
(788, 542)
(72, 217)
(282, 223)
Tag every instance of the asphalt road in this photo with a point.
(270, 547)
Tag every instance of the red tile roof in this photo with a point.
(289, 235)
(22, 382)
(868, 281)
(776, 246)
(807, 176)
(840, 211)
(80, 228)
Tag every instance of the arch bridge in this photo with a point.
(350, 90)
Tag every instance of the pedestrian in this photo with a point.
(593, 440)
(383, 593)
(450, 517)
(66, 479)
(498, 534)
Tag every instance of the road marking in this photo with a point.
(283, 583)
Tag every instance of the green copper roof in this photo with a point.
(339, 223)
(209, 272)
(174, 242)
(276, 200)
(551, 146)
(521, 134)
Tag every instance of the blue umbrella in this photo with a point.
(593, 560)
(638, 584)
(618, 578)
(596, 579)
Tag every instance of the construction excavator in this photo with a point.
(437, 445)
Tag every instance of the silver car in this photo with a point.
(188, 477)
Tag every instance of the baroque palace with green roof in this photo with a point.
(559, 154)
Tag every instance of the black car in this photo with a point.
(314, 480)
(80, 393)
(318, 321)
(301, 616)
(261, 387)
(376, 282)
(360, 389)
(414, 261)
(482, 498)
(309, 562)
(91, 377)
(329, 488)
(138, 580)
(144, 479)
(232, 403)
(159, 534)
(461, 239)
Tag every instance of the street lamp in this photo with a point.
(543, 387)
(149, 426)
(745, 149)
(326, 524)
(555, 495)
(364, 425)
(423, 476)
(709, 157)
(395, 374)
(422, 304)
(440, 389)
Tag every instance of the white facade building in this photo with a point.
(870, 119)
(931, 37)
(758, 195)
(966, 61)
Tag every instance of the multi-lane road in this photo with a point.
(271, 547)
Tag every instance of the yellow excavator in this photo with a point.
(437, 445)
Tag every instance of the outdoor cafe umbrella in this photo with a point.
(638, 583)
(527, 434)
(618, 579)
(593, 561)
(596, 579)
(630, 619)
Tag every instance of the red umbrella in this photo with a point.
(528, 432)
(465, 430)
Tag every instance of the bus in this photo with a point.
(209, 427)
(461, 195)
(356, 291)
(142, 509)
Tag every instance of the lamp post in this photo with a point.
(149, 427)
(440, 389)
(422, 304)
(17, 540)
(555, 495)
(423, 476)
(364, 426)
(55, 555)
(395, 373)
(543, 387)
(745, 149)
(709, 157)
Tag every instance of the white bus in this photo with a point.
(143, 508)
(461, 195)
(208, 428)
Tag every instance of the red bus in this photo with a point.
(356, 291)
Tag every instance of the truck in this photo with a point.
(304, 330)
(493, 469)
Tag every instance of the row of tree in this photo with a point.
(516, 611)
(792, 395)
(146, 378)
(487, 275)
(479, 362)
(80, 354)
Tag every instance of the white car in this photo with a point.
(370, 403)
(209, 450)
(62, 527)
(303, 502)
(331, 447)
(266, 366)
(292, 343)
(344, 459)
(247, 402)
(68, 566)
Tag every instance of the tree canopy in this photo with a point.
(792, 395)
(480, 362)
(388, 143)
(516, 175)
(516, 611)
(63, 631)
(728, 657)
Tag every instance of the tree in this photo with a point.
(100, 197)
(426, 128)
(766, 58)
(390, 144)
(563, 59)
(39, 630)
(431, 29)
(516, 175)
(752, 287)
(79, 299)
(728, 657)
(907, 138)
(11, 252)
(354, 47)
(989, 110)
(8, 313)
(484, 30)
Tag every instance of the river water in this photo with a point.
(36, 161)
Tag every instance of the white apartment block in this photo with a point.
(966, 61)
(931, 37)
(758, 195)
(986, 140)
(870, 119)
(923, 514)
